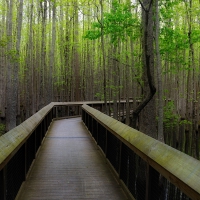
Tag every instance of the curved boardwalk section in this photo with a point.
(70, 166)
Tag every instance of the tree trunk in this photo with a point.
(42, 95)
(10, 82)
(148, 106)
(76, 54)
(159, 78)
(17, 65)
(52, 52)
(2, 67)
(103, 58)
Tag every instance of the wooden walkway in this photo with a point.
(69, 166)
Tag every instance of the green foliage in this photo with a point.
(100, 96)
(2, 129)
(195, 36)
(185, 122)
(119, 24)
(3, 42)
(13, 55)
(173, 39)
(93, 34)
(170, 118)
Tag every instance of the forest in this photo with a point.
(147, 51)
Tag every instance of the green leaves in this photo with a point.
(170, 118)
(173, 39)
(93, 34)
(119, 24)
(2, 129)
(195, 36)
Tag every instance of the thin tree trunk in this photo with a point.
(103, 58)
(3, 68)
(43, 54)
(10, 100)
(52, 52)
(159, 78)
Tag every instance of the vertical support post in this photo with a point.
(152, 183)
(123, 107)
(120, 158)
(106, 145)
(49, 119)
(97, 129)
(79, 110)
(82, 116)
(51, 115)
(54, 112)
(41, 132)
(67, 111)
(86, 119)
(25, 158)
(45, 126)
(91, 125)
(3, 183)
(46, 122)
(35, 141)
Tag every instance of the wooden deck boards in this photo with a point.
(70, 166)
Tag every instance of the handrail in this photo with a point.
(180, 169)
(14, 139)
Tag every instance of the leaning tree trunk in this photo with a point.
(148, 105)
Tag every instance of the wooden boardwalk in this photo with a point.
(69, 166)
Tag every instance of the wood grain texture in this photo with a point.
(70, 166)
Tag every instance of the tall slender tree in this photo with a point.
(10, 100)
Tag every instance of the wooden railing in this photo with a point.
(19, 147)
(147, 168)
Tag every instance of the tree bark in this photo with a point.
(159, 77)
(148, 123)
(52, 52)
(103, 58)
(10, 100)
(2, 66)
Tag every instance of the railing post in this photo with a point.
(54, 113)
(25, 159)
(97, 129)
(120, 158)
(44, 127)
(41, 133)
(82, 114)
(152, 182)
(3, 183)
(106, 145)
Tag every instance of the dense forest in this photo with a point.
(79, 50)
